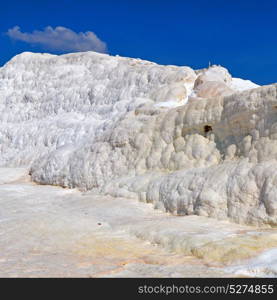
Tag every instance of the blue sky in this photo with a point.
(239, 34)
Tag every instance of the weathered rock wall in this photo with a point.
(189, 143)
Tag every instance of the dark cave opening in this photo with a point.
(207, 128)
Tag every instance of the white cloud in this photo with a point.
(60, 38)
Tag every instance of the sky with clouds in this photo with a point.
(59, 39)
(240, 35)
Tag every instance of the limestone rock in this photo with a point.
(189, 142)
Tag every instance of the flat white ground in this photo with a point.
(47, 231)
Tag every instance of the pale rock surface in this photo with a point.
(189, 142)
(211, 89)
(213, 73)
(265, 265)
(47, 231)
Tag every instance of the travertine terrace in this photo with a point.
(191, 142)
(166, 170)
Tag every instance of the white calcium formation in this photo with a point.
(190, 142)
